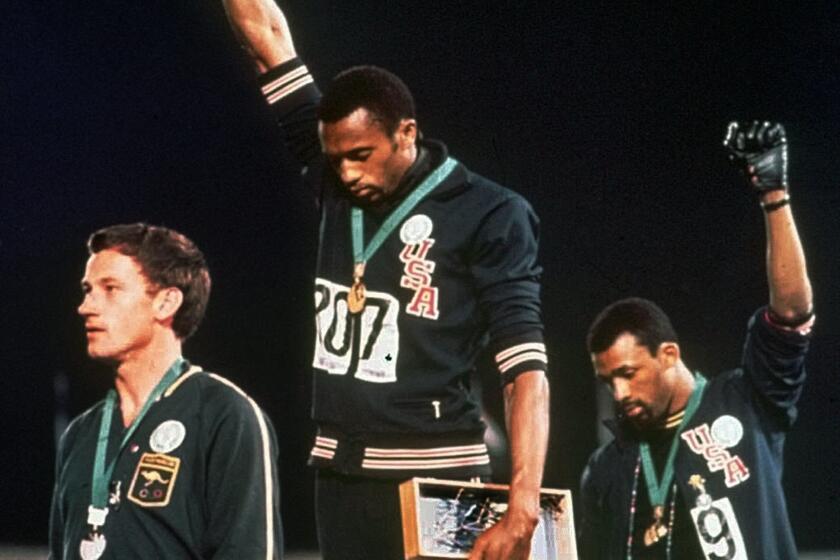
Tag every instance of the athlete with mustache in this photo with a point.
(695, 468)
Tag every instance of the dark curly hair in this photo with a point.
(379, 91)
(640, 317)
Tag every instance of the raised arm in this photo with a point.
(787, 275)
(759, 149)
(263, 31)
(284, 81)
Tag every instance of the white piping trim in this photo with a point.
(424, 463)
(433, 452)
(269, 486)
(183, 377)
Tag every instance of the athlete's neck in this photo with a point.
(683, 387)
(139, 372)
(413, 175)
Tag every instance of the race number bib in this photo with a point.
(365, 344)
(717, 527)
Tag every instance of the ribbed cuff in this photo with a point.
(288, 85)
(518, 354)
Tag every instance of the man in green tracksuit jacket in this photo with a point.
(175, 462)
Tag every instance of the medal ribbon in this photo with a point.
(362, 254)
(101, 474)
(658, 490)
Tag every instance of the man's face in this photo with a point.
(118, 306)
(641, 384)
(368, 162)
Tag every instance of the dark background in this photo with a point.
(609, 119)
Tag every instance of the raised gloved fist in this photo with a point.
(759, 150)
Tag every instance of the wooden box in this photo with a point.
(442, 518)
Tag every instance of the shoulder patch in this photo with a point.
(167, 436)
(727, 430)
(416, 229)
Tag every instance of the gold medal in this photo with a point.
(356, 295)
(657, 530)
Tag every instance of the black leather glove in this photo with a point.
(759, 150)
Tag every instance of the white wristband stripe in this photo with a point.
(291, 88)
(501, 356)
(525, 357)
(318, 452)
(284, 79)
(326, 442)
(267, 462)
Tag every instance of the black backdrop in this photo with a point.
(609, 119)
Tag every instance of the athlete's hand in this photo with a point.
(263, 31)
(759, 150)
(509, 539)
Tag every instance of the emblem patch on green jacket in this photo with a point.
(154, 480)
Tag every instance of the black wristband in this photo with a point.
(791, 323)
(771, 206)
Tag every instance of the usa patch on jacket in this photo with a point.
(713, 445)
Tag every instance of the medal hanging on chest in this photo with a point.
(93, 546)
(356, 295)
(361, 255)
(658, 489)
(658, 529)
